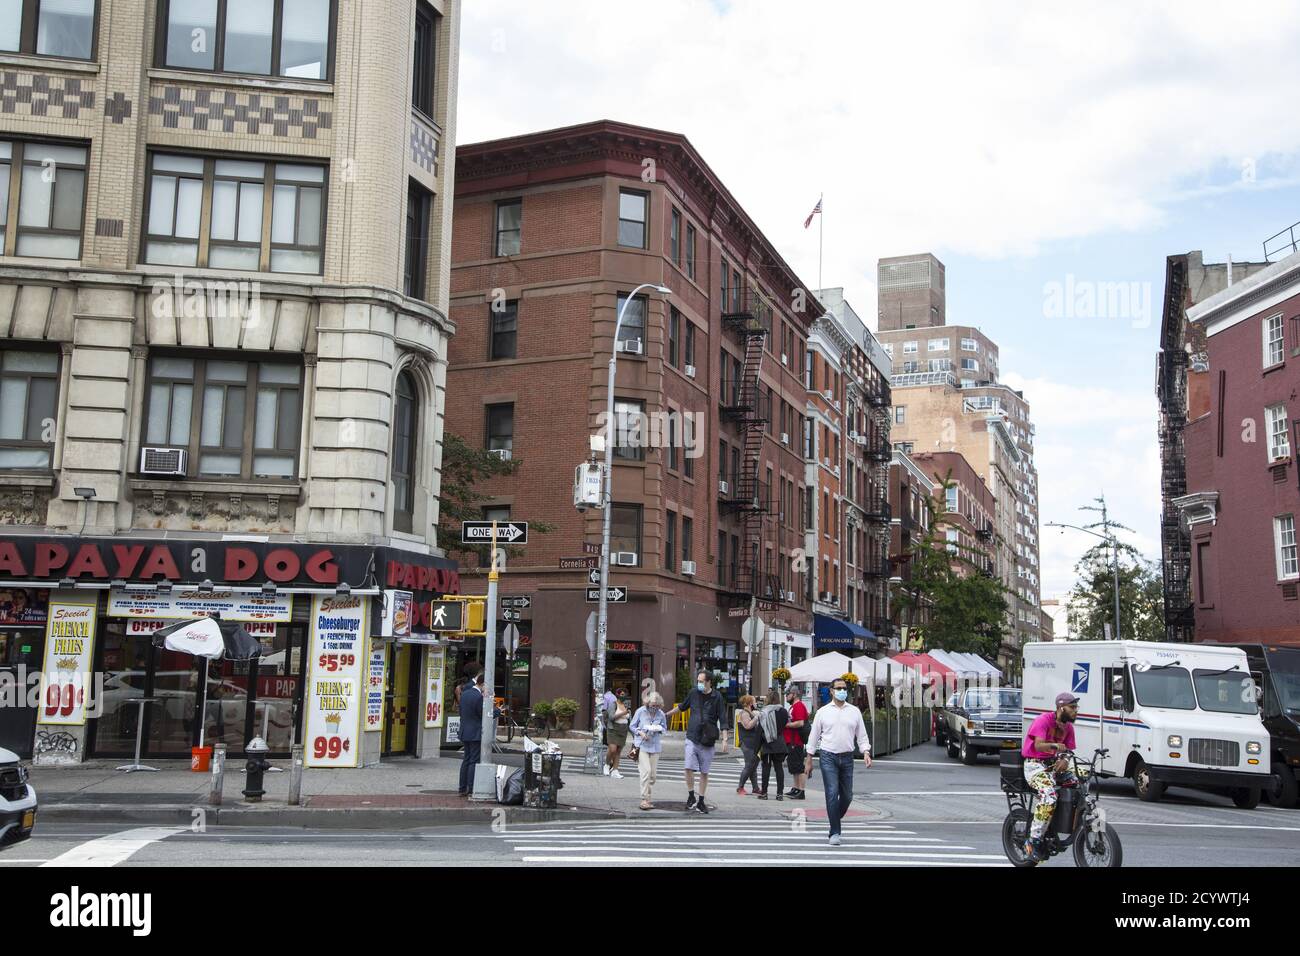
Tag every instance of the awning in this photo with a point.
(831, 632)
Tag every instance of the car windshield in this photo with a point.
(1002, 699)
(1230, 693)
(1165, 687)
(1284, 667)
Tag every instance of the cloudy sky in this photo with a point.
(1043, 152)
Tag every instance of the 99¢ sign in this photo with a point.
(69, 642)
(334, 692)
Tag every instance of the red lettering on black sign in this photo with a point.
(408, 577)
(49, 557)
(10, 560)
(282, 565)
(127, 557)
(241, 564)
(394, 573)
(160, 563)
(322, 569)
(88, 561)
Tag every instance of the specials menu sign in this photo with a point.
(230, 605)
(334, 690)
(435, 664)
(69, 646)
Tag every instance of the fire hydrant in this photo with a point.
(256, 767)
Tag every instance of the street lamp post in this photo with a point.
(602, 616)
(1114, 565)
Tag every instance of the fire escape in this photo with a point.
(879, 452)
(748, 496)
(1176, 546)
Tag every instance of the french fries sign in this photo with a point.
(334, 696)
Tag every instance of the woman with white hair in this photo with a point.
(647, 729)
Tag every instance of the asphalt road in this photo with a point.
(931, 811)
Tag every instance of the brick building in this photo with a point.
(552, 231)
(968, 516)
(1242, 484)
(223, 314)
(910, 491)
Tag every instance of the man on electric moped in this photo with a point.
(1047, 738)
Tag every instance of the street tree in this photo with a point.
(464, 470)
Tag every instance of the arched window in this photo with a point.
(406, 427)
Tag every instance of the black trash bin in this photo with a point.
(542, 781)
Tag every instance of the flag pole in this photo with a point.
(821, 230)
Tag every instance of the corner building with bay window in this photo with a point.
(224, 258)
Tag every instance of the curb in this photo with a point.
(354, 818)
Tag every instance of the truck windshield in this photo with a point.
(1001, 699)
(1165, 687)
(1225, 693)
(1284, 668)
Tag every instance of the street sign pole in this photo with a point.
(485, 774)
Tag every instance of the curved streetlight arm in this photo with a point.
(1114, 542)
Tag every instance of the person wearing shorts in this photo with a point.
(616, 733)
(796, 730)
(705, 731)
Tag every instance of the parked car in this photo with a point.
(17, 800)
(982, 720)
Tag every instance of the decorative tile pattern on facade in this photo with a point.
(109, 227)
(118, 108)
(233, 111)
(424, 148)
(44, 94)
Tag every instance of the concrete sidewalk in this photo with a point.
(397, 793)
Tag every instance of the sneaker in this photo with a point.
(690, 802)
(796, 795)
(702, 807)
(741, 792)
(606, 769)
(762, 794)
(616, 775)
(780, 796)
(835, 839)
(1034, 851)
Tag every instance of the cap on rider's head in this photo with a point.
(1065, 698)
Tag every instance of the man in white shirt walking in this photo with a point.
(837, 730)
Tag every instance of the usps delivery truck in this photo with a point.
(1183, 715)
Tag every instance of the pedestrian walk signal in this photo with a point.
(447, 616)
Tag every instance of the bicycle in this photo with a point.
(1077, 823)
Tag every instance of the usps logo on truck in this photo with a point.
(1079, 679)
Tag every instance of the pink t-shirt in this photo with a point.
(1044, 728)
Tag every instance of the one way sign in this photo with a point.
(613, 595)
(480, 532)
(593, 576)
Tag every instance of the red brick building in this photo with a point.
(1243, 484)
(552, 231)
(967, 520)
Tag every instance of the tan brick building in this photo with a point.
(223, 301)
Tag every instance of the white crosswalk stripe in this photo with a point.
(737, 842)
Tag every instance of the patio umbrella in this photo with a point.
(211, 639)
(824, 668)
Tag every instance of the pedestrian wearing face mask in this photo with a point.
(837, 731)
(707, 727)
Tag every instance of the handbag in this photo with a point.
(634, 753)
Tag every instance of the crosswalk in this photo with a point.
(716, 842)
(722, 772)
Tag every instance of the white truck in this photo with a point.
(1170, 714)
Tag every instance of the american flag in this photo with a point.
(816, 209)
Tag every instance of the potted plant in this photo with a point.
(544, 712)
(780, 676)
(565, 708)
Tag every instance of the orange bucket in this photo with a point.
(200, 759)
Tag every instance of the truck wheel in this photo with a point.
(952, 749)
(1015, 834)
(1287, 792)
(1247, 798)
(969, 755)
(1148, 788)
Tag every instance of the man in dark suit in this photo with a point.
(471, 727)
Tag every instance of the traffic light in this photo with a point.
(476, 615)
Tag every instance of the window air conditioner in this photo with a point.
(163, 461)
(630, 346)
(785, 359)
(785, 438)
(626, 559)
(688, 567)
(502, 453)
(723, 488)
(690, 371)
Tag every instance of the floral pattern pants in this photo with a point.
(1039, 775)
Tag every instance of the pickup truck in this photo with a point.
(980, 720)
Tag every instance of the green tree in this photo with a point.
(1141, 596)
(966, 605)
(464, 469)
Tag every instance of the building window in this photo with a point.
(405, 430)
(238, 419)
(1273, 353)
(725, 273)
(940, 365)
(889, 349)
(670, 542)
(1279, 446)
(735, 290)
(674, 334)
(29, 390)
(263, 37)
(690, 251)
(414, 278)
(497, 513)
(950, 499)
(633, 327)
(501, 428)
(937, 345)
(969, 345)
(625, 529)
(690, 342)
(909, 348)
(970, 365)
(688, 535)
(688, 445)
(632, 218)
(423, 74)
(675, 237)
(1288, 566)
(900, 415)
(237, 196)
(64, 28)
(505, 329)
(510, 217)
(629, 425)
(47, 218)
(673, 456)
